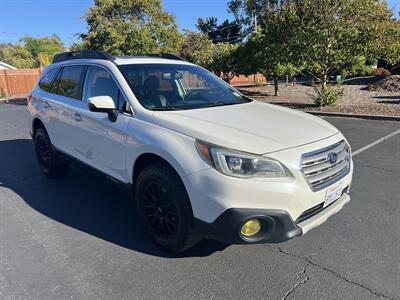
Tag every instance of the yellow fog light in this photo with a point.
(250, 228)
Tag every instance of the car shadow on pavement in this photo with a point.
(83, 200)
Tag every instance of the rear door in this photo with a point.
(98, 141)
(53, 109)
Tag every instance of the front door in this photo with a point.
(100, 142)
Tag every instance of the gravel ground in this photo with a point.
(356, 100)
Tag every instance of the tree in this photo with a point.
(224, 63)
(196, 48)
(218, 58)
(17, 56)
(227, 31)
(43, 49)
(322, 36)
(131, 27)
(391, 51)
(245, 11)
(268, 50)
(44, 59)
(331, 35)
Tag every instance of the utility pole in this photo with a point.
(255, 22)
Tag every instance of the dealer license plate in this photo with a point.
(333, 193)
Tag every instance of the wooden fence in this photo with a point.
(18, 82)
(244, 80)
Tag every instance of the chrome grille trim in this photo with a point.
(319, 172)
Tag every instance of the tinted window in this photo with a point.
(54, 85)
(70, 82)
(47, 80)
(100, 83)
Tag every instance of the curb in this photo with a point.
(355, 116)
(19, 100)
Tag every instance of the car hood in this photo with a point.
(253, 127)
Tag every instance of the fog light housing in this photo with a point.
(250, 228)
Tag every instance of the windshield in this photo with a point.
(176, 87)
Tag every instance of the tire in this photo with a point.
(164, 208)
(51, 165)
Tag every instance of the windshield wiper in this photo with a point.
(221, 104)
(166, 108)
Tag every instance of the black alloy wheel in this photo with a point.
(164, 208)
(159, 210)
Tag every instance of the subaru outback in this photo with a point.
(202, 159)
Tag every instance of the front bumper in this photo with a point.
(277, 225)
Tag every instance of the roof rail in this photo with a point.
(94, 54)
(167, 56)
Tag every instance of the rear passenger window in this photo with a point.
(100, 83)
(70, 82)
(47, 80)
(54, 85)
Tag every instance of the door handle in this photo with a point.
(77, 117)
(46, 105)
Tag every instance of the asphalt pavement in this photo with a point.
(78, 238)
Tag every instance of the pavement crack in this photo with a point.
(340, 276)
(303, 279)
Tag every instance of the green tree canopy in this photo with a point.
(196, 48)
(391, 51)
(226, 32)
(331, 35)
(43, 49)
(17, 56)
(322, 36)
(224, 61)
(129, 27)
(218, 58)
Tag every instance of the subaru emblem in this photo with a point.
(332, 157)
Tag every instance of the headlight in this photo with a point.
(240, 164)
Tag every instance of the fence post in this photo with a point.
(8, 88)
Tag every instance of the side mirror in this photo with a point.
(103, 104)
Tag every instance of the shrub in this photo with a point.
(381, 72)
(259, 83)
(327, 96)
(2, 94)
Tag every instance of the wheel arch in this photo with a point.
(36, 124)
(149, 158)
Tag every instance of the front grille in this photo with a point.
(321, 169)
(315, 210)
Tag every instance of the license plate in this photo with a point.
(333, 193)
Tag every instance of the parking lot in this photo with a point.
(78, 238)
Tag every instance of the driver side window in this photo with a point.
(100, 83)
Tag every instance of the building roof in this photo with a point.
(3, 65)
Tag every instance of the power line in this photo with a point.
(222, 28)
(230, 38)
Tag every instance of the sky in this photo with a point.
(64, 17)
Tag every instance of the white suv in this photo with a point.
(203, 160)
